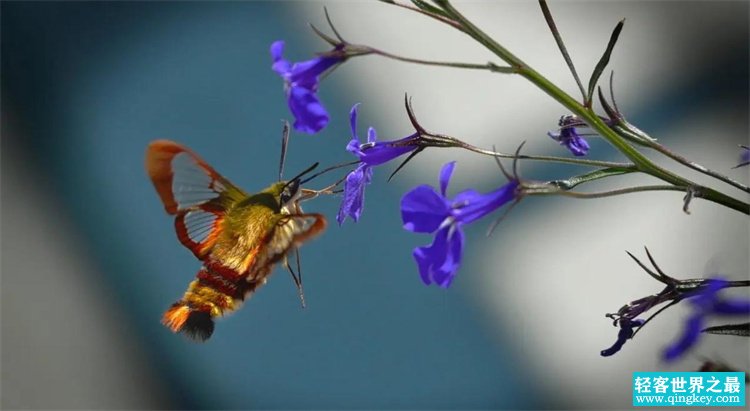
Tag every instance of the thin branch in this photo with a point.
(695, 166)
(488, 66)
(603, 194)
(565, 160)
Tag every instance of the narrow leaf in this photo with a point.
(742, 330)
(602, 64)
(591, 176)
(400, 166)
(561, 46)
(612, 113)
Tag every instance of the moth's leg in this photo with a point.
(297, 277)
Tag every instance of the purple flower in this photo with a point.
(626, 332)
(301, 84)
(706, 302)
(744, 157)
(354, 193)
(423, 210)
(370, 154)
(569, 137)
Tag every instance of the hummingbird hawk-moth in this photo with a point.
(238, 236)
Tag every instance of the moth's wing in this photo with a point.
(193, 191)
(290, 231)
(184, 181)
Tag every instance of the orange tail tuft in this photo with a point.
(196, 324)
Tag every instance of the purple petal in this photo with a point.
(445, 176)
(309, 114)
(383, 152)
(471, 205)
(305, 73)
(427, 257)
(423, 210)
(569, 137)
(625, 333)
(280, 65)
(377, 153)
(443, 275)
(372, 136)
(439, 262)
(744, 157)
(353, 121)
(733, 306)
(578, 146)
(354, 193)
(704, 299)
(693, 328)
(353, 147)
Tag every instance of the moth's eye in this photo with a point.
(285, 197)
(289, 192)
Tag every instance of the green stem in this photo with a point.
(641, 162)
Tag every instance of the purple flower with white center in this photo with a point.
(569, 137)
(301, 86)
(706, 302)
(423, 210)
(370, 154)
(626, 332)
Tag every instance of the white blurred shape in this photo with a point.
(64, 345)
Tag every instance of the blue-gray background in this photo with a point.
(90, 260)
(89, 85)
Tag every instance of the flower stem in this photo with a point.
(601, 194)
(641, 162)
(652, 144)
(365, 50)
(628, 167)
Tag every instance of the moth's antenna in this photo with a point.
(309, 169)
(284, 143)
(331, 168)
(296, 179)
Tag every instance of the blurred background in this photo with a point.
(90, 260)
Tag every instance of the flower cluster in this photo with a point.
(426, 209)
